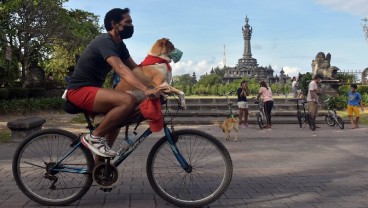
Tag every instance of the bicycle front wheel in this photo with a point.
(211, 169)
(35, 172)
(340, 122)
(260, 120)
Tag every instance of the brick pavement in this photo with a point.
(283, 167)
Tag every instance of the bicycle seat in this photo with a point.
(71, 108)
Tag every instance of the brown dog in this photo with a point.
(154, 71)
(229, 124)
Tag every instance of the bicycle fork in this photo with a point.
(184, 164)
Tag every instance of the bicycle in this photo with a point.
(52, 167)
(302, 115)
(229, 104)
(332, 118)
(261, 116)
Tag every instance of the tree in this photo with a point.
(210, 79)
(32, 28)
(183, 80)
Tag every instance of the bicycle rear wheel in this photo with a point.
(211, 169)
(260, 120)
(299, 115)
(340, 122)
(34, 172)
(330, 120)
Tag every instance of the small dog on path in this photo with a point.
(229, 124)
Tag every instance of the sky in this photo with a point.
(287, 34)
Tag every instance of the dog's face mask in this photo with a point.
(176, 55)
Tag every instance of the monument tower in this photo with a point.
(247, 65)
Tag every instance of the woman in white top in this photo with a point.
(266, 94)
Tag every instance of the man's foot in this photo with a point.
(353, 126)
(97, 145)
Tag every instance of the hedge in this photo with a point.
(4, 93)
(30, 105)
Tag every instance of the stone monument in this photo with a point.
(322, 65)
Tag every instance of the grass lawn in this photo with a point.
(363, 116)
(4, 135)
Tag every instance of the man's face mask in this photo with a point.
(175, 55)
(127, 32)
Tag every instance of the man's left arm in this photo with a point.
(130, 63)
(361, 103)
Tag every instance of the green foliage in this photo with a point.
(346, 78)
(338, 102)
(4, 93)
(304, 82)
(363, 89)
(36, 92)
(5, 135)
(210, 79)
(344, 89)
(18, 93)
(277, 88)
(35, 29)
(30, 105)
(365, 99)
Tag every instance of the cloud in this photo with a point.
(292, 70)
(354, 7)
(188, 67)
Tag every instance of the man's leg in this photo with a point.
(111, 137)
(357, 115)
(117, 106)
(350, 113)
(315, 114)
(311, 112)
(246, 112)
(240, 116)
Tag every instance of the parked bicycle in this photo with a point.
(332, 118)
(303, 115)
(229, 105)
(261, 116)
(52, 167)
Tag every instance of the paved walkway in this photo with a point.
(283, 167)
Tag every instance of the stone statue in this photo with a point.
(35, 76)
(321, 65)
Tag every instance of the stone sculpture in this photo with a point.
(321, 65)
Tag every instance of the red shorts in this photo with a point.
(83, 97)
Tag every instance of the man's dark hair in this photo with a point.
(318, 76)
(114, 15)
(244, 81)
(354, 86)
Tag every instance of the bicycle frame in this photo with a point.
(168, 134)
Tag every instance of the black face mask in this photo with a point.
(127, 32)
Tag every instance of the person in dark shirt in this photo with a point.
(243, 104)
(107, 51)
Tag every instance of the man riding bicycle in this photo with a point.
(107, 51)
